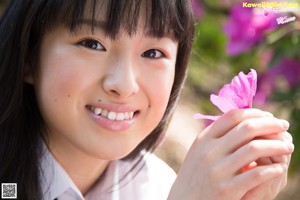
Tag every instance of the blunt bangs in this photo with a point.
(161, 17)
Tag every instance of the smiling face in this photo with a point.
(103, 96)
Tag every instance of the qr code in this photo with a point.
(9, 191)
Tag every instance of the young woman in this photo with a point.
(87, 91)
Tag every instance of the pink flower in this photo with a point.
(238, 94)
(245, 28)
(287, 69)
(198, 9)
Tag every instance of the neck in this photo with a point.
(83, 169)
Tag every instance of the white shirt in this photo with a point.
(150, 179)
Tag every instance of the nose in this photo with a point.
(120, 80)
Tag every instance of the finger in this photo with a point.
(253, 128)
(289, 158)
(230, 119)
(274, 136)
(267, 190)
(254, 150)
(287, 136)
(257, 176)
(279, 159)
(265, 161)
(273, 159)
(283, 136)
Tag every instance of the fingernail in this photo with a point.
(284, 167)
(290, 146)
(285, 124)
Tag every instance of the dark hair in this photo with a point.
(22, 28)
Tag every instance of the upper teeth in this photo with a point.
(112, 115)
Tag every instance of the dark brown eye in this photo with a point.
(153, 53)
(92, 44)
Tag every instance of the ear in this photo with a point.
(28, 75)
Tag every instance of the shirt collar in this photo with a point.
(54, 179)
(56, 183)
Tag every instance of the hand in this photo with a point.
(212, 168)
(271, 188)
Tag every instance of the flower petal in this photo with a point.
(226, 99)
(209, 117)
(238, 94)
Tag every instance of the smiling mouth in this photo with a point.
(111, 115)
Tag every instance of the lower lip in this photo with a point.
(112, 125)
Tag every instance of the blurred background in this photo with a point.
(232, 37)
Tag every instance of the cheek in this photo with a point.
(161, 91)
(159, 87)
(60, 85)
(54, 84)
(62, 78)
(62, 72)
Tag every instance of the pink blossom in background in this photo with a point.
(238, 94)
(288, 68)
(197, 8)
(245, 28)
